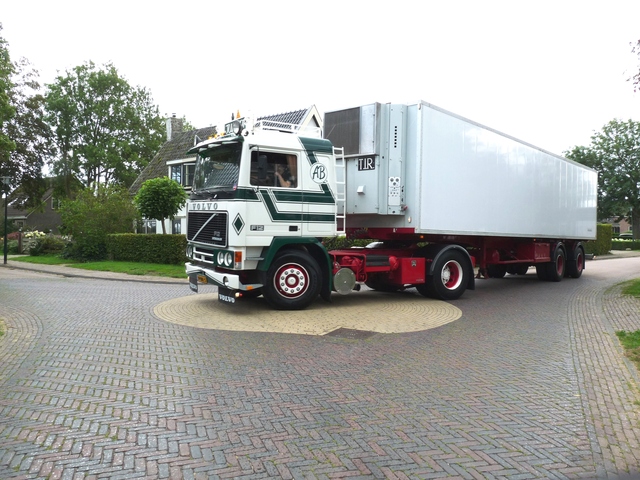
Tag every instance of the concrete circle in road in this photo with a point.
(367, 310)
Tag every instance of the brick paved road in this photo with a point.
(529, 383)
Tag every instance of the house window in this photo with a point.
(189, 170)
(148, 226)
(176, 173)
(176, 227)
(183, 174)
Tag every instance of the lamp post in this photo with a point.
(5, 182)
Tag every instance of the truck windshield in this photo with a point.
(217, 168)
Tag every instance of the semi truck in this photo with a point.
(443, 200)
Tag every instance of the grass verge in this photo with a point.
(632, 288)
(44, 260)
(134, 268)
(631, 343)
(129, 268)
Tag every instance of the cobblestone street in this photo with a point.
(528, 382)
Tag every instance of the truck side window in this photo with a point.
(271, 169)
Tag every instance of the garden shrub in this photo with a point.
(92, 216)
(12, 247)
(342, 242)
(46, 245)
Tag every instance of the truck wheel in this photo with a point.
(293, 281)
(449, 279)
(557, 266)
(575, 262)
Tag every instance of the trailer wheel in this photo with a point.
(449, 279)
(556, 267)
(575, 262)
(542, 271)
(293, 281)
(518, 269)
(496, 270)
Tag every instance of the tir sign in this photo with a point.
(366, 163)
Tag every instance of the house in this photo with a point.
(173, 161)
(619, 225)
(45, 217)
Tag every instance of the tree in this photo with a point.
(160, 198)
(91, 216)
(32, 136)
(7, 112)
(106, 131)
(636, 78)
(25, 138)
(615, 154)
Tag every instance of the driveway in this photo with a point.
(529, 381)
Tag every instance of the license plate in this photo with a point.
(226, 296)
(202, 279)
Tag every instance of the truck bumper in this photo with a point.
(225, 280)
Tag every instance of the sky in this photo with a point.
(549, 72)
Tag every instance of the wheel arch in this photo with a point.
(311, 245)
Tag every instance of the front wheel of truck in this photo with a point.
(293, 281)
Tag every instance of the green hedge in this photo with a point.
(624, 244)
(342, 242)
(153, 248)
(602, 244)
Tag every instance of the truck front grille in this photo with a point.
(208, 227)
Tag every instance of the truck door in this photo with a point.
(275, 174)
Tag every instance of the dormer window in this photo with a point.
(182, 173)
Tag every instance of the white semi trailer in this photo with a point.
(438, 193)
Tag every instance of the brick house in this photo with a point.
(45, 217)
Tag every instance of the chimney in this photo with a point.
(174, 127)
